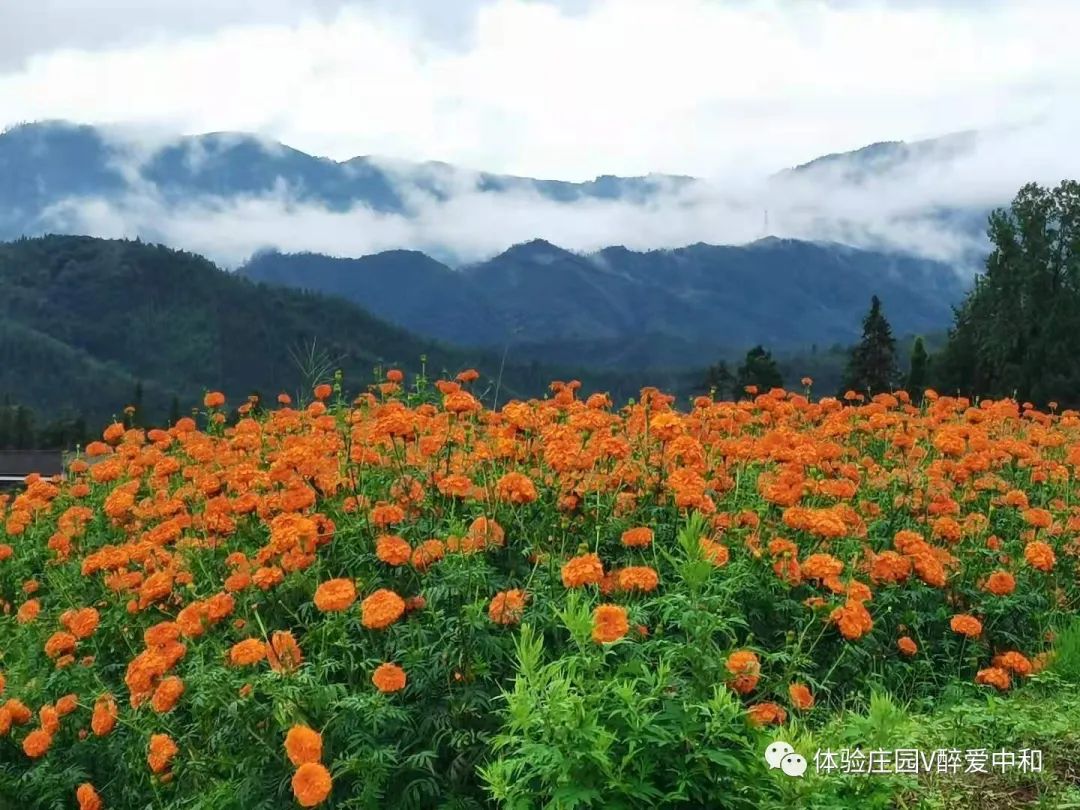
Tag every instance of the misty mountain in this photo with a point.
(43, 165)
(620, 308)
(228, 195)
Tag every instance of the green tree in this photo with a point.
(758, 369)
(174, 411)
(22, 429)
(918, 371)
(718, 378)
(872, 365)
(1018, 331)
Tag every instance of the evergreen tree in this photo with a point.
(718, 378)
(758, 369)
(22, 429)
(872, 365)
(1018, 331)
(137, 404)
(918, 371)
(174, 411)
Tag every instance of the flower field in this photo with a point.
(409, 600)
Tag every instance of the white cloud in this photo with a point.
(567, 90)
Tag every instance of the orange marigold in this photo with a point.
(994, 676)
(311, 784)
(381, 609)
(1039, 555)
(161, 753)
(745, 666)
(167, 694)
(801, 696)
(334, 595)
(966, 625)
(284, 653)
(104, 717)
(852, 619)
(389, 678)
(638, 578)
(907, 645)
(1000, 583)
(637, 537)
(582, 570)
(302, 745)
(610, 623)
(507, 607)
(87, 797)
(392, 550)
(247, 652)
(36, 743)
(765, 714)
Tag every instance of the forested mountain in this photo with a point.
(85, 321)
(620, 308)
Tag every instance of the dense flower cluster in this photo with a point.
(186, 601)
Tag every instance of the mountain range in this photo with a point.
(625, 309)
(612, 308)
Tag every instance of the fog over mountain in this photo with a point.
(229, 195)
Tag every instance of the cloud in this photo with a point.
(449, 216)
(565, 90)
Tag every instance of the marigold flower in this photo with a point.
(1014, 662)
(994, 676)
(389, 678)
(311, 784)
(637, 537)
(764, 714)
(247, 652)
(801, 696)
(392, 550)
(1039, 555)
(507, 607)
(852, 619)
(214, 399)
(335, 595)
(303, 745)
(104, 717)
(36, 743)
(745, 666)
(284, 653)
(638, 578)
(583, 570)
(1001, 583)
(715, 553)
(907, 646)
(167, 694)
(966, 625)
(161, 753)
(381, 609)
(515, 488)
(610, 623)
(65, 705)
(87, 797)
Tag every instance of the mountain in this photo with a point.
(47, 167)
(619, 308)
(84, 320)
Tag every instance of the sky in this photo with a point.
(564, 89)
(726, 90)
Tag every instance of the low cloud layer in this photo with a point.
(930, 204)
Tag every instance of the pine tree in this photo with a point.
(174, 411)
(758, 369)
(918, 371)
(872, 365)
(22, 429)
(718, 378)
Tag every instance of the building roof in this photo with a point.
(23, 462)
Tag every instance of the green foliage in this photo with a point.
(1018, 332)
(918, 371)
(872, 364)
(759, 369)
